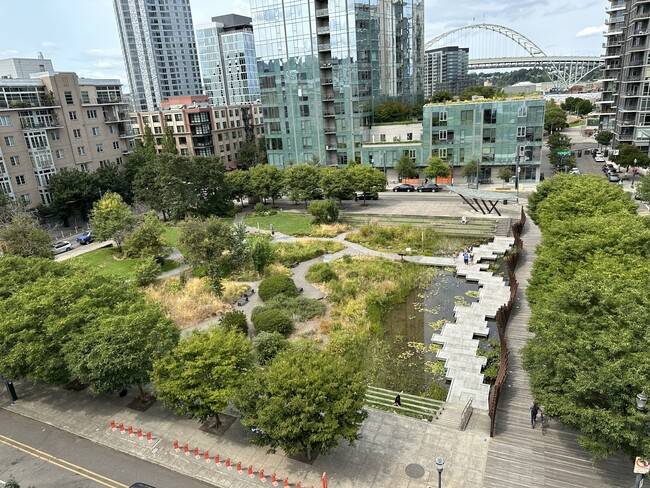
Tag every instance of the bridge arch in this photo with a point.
(530, 47)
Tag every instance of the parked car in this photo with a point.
(599, 158)
(431, 187)
(404, 187)
(574, 171)
(61, 247)
(613, 177)
(86, 237)
(366, 195)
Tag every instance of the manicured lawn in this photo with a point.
(287, 223)
(103, 261)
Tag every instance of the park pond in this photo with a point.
(409, 327)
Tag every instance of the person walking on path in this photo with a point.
(466, 257)
(272, 229)
(398, 401)
(534, 409)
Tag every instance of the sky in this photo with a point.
(81, 35)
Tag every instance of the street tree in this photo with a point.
(643, 189)
(336, 183)
(146, 239)
(506, 173)
(366, 179)
(261, 151)
(558, 142)
(554, 117)
(21, 235)
(209, 190)
(301, 182)
(604, 137)
(469, 170)
(578, 106)
(248, 153)
(73, 191)
(405, 167)
(437, 168)
(118, 351)
(305, 400)
(112, 177)
(261, 253)
(168, 141)
(629, 155)
(266, 181)
(198, 377)
(111, 218)
(238, 183)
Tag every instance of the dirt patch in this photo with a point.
(142, 404)
(302, 457)
(75, 385)
(225, 422)
(312, 328)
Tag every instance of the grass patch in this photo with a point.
(298, 309)
(292, 224)
(329, 230)
(396, 238)
(193, 303)
(107, 261)
(287, 253)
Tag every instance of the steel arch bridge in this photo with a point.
(564, 71)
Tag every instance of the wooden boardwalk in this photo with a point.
(519, 456)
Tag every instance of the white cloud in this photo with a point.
(106, 64)
(596, 30)
(48, 44)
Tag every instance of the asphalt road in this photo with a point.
(41, 456)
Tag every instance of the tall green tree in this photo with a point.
(301, 182)
(239, 184)
(112, 177)
(261, 151)
(146, 239)
(506, 173)
(73, 191)
(643, 189)
(111, 218)
(437, 168)
(209, 187)
(469, 170)
(336, 183)
(21, 235)
(261, 254)
(405, 167)
(266, 181)
(604, 137)
(205, 240)
(168, 141)
(367, 179)
(306, 400)
(441, 97)
(628, 154)
(558, 142)
(554, 117)
(199, 376)
(248, 153)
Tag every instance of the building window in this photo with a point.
(73, 115)
(116, 145)
(10, 141)
(466, 117)
(68, 98)
(489, 134)
(84, 97)
(95, 130)
(111, 128)
(92, 114)
(100, 147)
(84, 167)
(118, 160)
(182, 140)
(443, 116)
(490, 116)
(157, 130)
(76, 133)
(412, 154)
(20, 179)
(442, 135)
(523, 111)
(521, 132)
(15, 160)
(81, 150)
(55, 135)
(180, 128)
(178, 117)
(25, 198)
(155, 118)
(5, 120)
(59, 154)
(185, 151)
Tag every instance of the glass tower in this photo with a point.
(227, 58)
(325, 64)
(159, 50)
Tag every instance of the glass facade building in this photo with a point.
(494, 133)
(227, 58)
(325, 64)
(445, 69)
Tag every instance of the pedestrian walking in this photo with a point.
(471, 256)
(272, 229)
(534, 409)
(398, 401)
(466, 257)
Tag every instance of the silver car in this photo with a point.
(61, 247)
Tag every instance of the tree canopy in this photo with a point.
(629, 155)
(590, 309)
(112, 219)
(367, 179)
(21, 235)
(604, 137)
(301, 182)
(266, 181)
(579, 106)
(306, 400)
(437, 168)
(554, 117)
(405, 167)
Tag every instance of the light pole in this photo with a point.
(517, 173)
(439, 464)
(641, 401)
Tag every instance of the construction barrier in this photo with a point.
(113, 425)
(239, 470)
(206, 456)
(262, 477)
(176, 448)
(250, 471)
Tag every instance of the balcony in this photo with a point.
(325, 65)
(324, 47)
(47, 124)
(326, 81)
(323, 30)
(18, 104)
(322, 12)
(103, 101)
(111, 118)
(328, 114)
(330, 130)
(330, 148)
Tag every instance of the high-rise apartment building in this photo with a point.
(201, 129)
(159, 50)
(227, 59)
(445, 69)
(53, 121)
(324, 65)
(625, 103)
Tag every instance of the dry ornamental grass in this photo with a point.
(193, 303)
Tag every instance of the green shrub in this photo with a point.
(277, 284)
(259, 208)
(273, 321)
(297, 308)
(324, 212)
(146, 271)
(236, 320)
(304, 250)
(266, 345)
(321, 273)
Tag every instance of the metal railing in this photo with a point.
(466, 415)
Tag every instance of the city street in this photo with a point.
(42, 456)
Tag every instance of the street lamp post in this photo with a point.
(439, 465)
(517, 173)
(641, 402)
